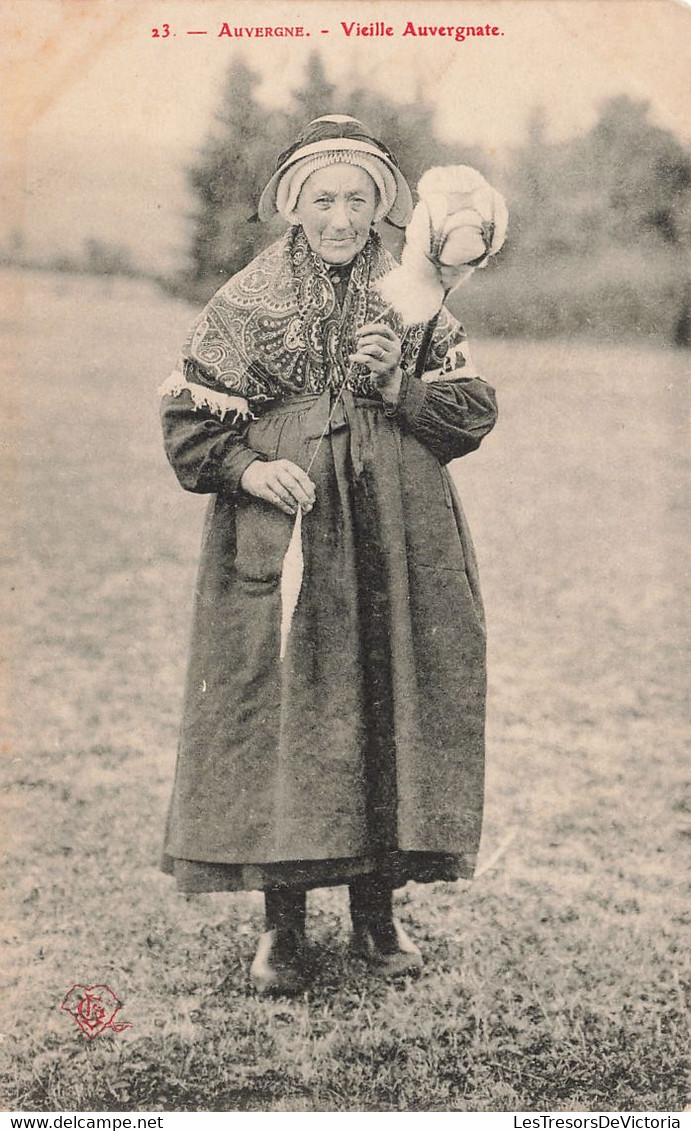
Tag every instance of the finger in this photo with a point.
(376, 346)
(378, 335)
(375, 352)
(381, 353)
(292, 484)
(302, 477)
(367, 359)
(275, 498)
(267, 493)
(377, 358)
(378, 328)
(279, 491)
(376, 341)
(389, 352)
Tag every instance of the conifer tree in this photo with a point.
(226, 180)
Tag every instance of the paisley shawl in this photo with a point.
(276, 329)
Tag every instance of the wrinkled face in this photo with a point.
(336, 208)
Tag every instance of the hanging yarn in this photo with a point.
(291, 580)
(293, 568)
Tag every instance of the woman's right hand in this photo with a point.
(280, 482)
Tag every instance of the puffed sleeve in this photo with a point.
(449, 408)
(204, 429)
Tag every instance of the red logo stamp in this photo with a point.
(94, 1009)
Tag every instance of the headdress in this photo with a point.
(327, 141)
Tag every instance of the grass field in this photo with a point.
(555, 982)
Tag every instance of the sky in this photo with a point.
(102, 116)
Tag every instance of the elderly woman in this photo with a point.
(356, 757)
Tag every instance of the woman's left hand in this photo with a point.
(379, 348)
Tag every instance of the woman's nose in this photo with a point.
(340, 215)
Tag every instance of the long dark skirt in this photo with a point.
(362, 750)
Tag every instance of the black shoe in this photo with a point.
(279, 965)
(386, 948)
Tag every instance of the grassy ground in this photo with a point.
(617, 294)
(555, 982)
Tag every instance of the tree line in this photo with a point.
(600, 224)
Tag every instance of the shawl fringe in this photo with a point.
(220, 404)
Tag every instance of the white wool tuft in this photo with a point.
(459, 221)
(449, 178)
(415, 296)
(464, 187)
